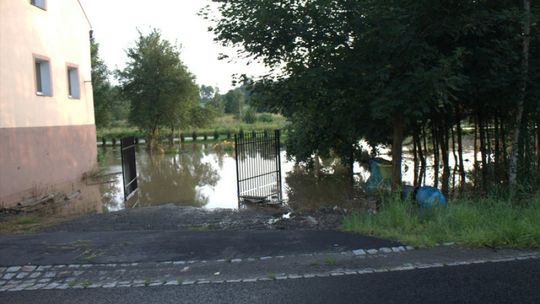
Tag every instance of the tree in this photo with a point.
(101, 87)
(161, 90)
(234, 101)
(512, 175)
(383, 70)
(206, 93)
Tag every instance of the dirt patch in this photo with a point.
(172, 217)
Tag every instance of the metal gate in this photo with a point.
(258, 166)
(129, 169)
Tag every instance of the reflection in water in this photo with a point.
(205, 176)
(175, 178)
(328, 185)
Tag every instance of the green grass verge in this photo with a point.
(223, 125)
(478, 222)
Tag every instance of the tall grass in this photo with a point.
(474, 222)
(223, 124)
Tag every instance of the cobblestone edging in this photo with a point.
(33, 277)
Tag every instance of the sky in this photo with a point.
(115, 24)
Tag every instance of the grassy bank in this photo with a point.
(222, 125)
(479, 222)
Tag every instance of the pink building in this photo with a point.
(47, 130)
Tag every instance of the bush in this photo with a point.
(265, 117)
(250, 116)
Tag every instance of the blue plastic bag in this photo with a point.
(428, 197)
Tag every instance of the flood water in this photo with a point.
(204, 175)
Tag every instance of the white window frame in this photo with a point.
(73, 81)
(42, 76)
(42, 4)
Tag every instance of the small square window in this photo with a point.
(43, 77)
(38, 3)
(73, 82)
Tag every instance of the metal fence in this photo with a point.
(258, 166)
(129, 168)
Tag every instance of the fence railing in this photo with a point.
(129, 168)
(258, 166)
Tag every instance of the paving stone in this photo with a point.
(233, 281)
(409, 247)
(28, 268)
(64, 274)
(9, 275)
(13, 269)
(109, 285)
(179, 263)
(95, 285)
(372, 251)
(78, 273)
(249, 280)
(236, 260)
(309, 276)
(265, 258)
(359, 252)
(401, 268)
(36, 287)
(281, 277)
(294, 276)
(172, 283)
(350, 272)
(52, 286)
(385, 250)
(203, 282)
(42, 268)
(44, 281)
(2, 269)
(35, 275)
(336, 274)
(86, 265)
(22, 275)
(398, 249)
(62, 286)
(74, 266)
(2, 282)
(187, 282)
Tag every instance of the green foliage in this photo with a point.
(349, 67)
(101, 87)
(250, 116)
(480, 222)
(234, 101)
(161, 90)
(265, 117)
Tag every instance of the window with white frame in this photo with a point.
(38, 3)
(73, 82)
(43, 77)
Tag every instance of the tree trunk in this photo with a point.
(434, 139)
(397, 149)
(459, 132)
(512, 170)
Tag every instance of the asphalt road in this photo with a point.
(154, 246)
(508, 282)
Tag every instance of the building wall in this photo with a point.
(44, 140)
